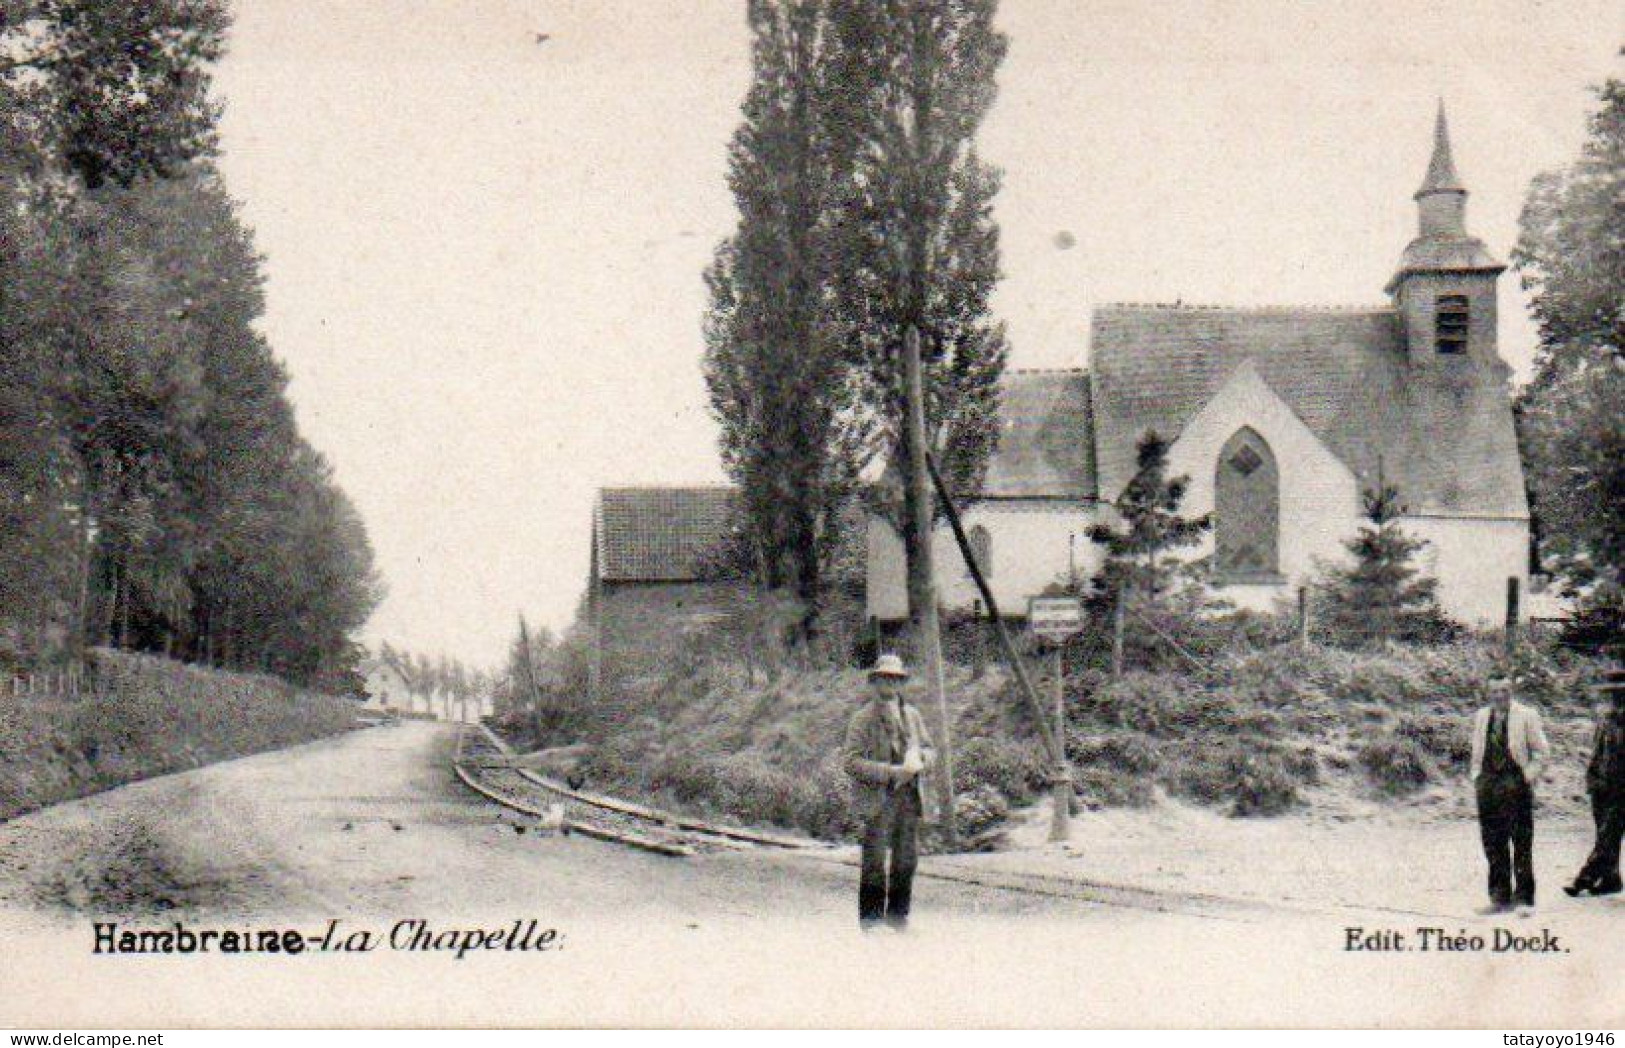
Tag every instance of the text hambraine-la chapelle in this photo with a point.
(412, 934)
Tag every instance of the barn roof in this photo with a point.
(1045, 448)
(658, 534)
(1442, 431)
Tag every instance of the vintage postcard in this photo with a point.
(812, 513)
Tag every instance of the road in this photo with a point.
(371, 828)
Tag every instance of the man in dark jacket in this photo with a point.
(887, 752)
(1605, 781)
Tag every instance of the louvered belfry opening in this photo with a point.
(1450, 319)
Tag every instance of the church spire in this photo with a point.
(1445, 285)
(1441, 176)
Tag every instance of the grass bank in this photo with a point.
(144, 717)
(1264, 732)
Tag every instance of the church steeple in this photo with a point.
(1441, 176)
(1445, 285)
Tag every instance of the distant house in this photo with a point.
(647, 590)
(386, 686)
(1281, 417)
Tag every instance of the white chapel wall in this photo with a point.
(1472, 558)
(1030, 550)
(1319, 497)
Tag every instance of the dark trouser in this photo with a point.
(1506, 822)
(1602, 866)
(894, 829)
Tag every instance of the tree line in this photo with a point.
(438, 677)
(155, 492)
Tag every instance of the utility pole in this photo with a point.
(930, 632)
(1054, 745)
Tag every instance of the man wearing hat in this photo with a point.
(1605, 781)
(887, 752)
(1509, 747)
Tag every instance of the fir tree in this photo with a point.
(1382, 595)
(1150, 528)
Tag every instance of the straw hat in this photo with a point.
(889, 666)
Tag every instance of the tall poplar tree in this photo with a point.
(919, 247)
(774, 364)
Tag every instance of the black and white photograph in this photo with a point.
(760, 514)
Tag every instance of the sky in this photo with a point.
(484, 249)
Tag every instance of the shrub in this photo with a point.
(1110, 787)
(1254, 777)
(1443, 738)
(1395, 764)
(745, 788)
(1130, 751)
(1016, 771)
(979, 810)
(148, 716)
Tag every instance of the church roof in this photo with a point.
(658, 534)
(1442, 432)
(1045, 448)
(1433, 254)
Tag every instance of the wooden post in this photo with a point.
(1060, 826)
(978, 649)
(930, 639)
(1118, 612)
(1303, 616)
(1512, 612)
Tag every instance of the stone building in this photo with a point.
(1281, 417)
(646, 589)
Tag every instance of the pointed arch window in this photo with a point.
(1247, 511)
(981, 547)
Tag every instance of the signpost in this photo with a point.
(1054, 620)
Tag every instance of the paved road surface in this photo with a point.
(371, 828)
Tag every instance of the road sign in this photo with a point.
(1054, 618)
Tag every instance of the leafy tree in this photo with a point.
(1148, 530)
(1381, 595)
(1571, 256)
(918, 247)
(115, 90)
(774, 363)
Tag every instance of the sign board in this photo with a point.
(1054, 618)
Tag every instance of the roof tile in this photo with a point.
(659, 534)
(1441, 431)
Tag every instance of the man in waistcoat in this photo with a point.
(1509, 748)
